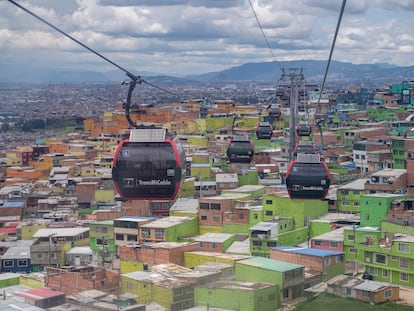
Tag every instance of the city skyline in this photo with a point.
(184, 37)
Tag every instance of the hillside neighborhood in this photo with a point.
(234, 235)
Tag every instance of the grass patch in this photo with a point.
(327, 301)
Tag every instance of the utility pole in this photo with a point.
(295, 78)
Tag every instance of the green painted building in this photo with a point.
(400, 146)
(170, 292)
(278, 232)
(235, 295)
(101, 240)
(349, 196)
(302, 211)
(386, 254)
(288, 276)
(375, 207)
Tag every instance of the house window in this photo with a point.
(333, 244)
(145, 232)
(201, 244)
(404, 277)
(132, 237)
(241, 216)
(129, 285)
(367, 216)
(22, 263)
(255, 216)
(327, 262)
(214, 245)
(216, 218)
(257, 243)
(373, 270)
(8, 263)
(351, 237)
(345, 203)
(269, 202)
(101, 229)
(215, 206)
(384, 273)
(159, 233)
(344, 192)
(204, 205)
(387, 293)
(269, 213)
(366, 293)
(318, 242)
(271, 297)
(102, 241)
(380, 258)
(356, 203)
(353, 250)
(402, 247)
(203, 217)
(119, 237)
(394, 258)
(404, 263)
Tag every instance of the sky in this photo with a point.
(184, 37)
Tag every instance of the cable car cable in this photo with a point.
(319, 123)
(128, 73)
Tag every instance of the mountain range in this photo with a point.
(313, 71)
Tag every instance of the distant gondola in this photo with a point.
(304, 129)
(148, 165)
(240, 149)
(264, 130)
(308, 177)
(304, 147)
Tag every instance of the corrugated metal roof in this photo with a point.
(213, 237)
(13, 204)
(167, 222)
(372, 286)
(39, 294)
(309, 251)
(59, 232)
(19, 251)
(185, 204)
(270, 264)
(264, 226)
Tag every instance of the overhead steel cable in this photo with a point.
(133, 77)
(341, 13)
(263, 33)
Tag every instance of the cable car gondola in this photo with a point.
(304, 147)
(240, 149)
(304, 129)
(148, 165)
(264, 130)
(308, 177)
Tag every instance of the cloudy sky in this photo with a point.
(183, 37)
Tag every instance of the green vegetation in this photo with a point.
(330, 302)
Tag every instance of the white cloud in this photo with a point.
(196, 36)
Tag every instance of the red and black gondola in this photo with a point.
(264, 130)
(240, 149)
(303, 129)
(149, 165)
(304, 147)
(308, 177)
